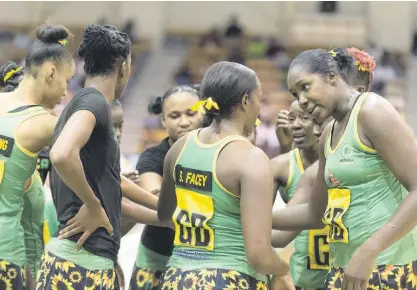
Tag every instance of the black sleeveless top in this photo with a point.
(157, 239)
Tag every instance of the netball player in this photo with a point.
(26, 127)
(34, 224)
(216, 199)
(310, 262)
(370, 213)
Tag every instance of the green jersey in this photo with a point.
(363, 195)
(310, 261)
(17, 165)
(208, 229)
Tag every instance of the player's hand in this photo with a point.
(132, 176)
(282, 129)
(358, 271)
(86, 221)
(282, 282)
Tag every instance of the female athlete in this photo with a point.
(217, 201)
(26, 128)
(365, 184)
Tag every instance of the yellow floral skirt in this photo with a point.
(385, 277)
(58, 273)
(209, 279)
(12, 277)
(145, 279)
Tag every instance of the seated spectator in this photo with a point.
(152, 132)
(234, 29)
(278, 55)
(183, 75)
(211, 43)
(266, 138)
(212, 38)
(273, 48)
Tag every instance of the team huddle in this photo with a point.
(206, 192)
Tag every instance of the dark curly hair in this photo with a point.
(103, 49)
(10, 76)
(50, 45)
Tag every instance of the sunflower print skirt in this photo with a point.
(385, 277)
(12, 277)
(57, 273)
(145, 279)
(209, 279)
(298, 288)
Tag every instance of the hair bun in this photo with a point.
(49, 33)
(155, 106)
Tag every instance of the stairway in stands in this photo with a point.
(154, 79)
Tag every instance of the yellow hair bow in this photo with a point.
(333, 53)
(207, 104)
(11, 73)
(63, 42)
(258, 122)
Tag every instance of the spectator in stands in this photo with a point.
(152, 133)
(274, 48)
(266, 138)
(183, 75)
(211, 42)
(234, 29)
(277, 54)
(211, 38)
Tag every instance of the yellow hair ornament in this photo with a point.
(211, 104)
(258, 122)
(208, 104)
(198, 106)
(63, 42)
(11, 73)
(333, 53)
(360, 66)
